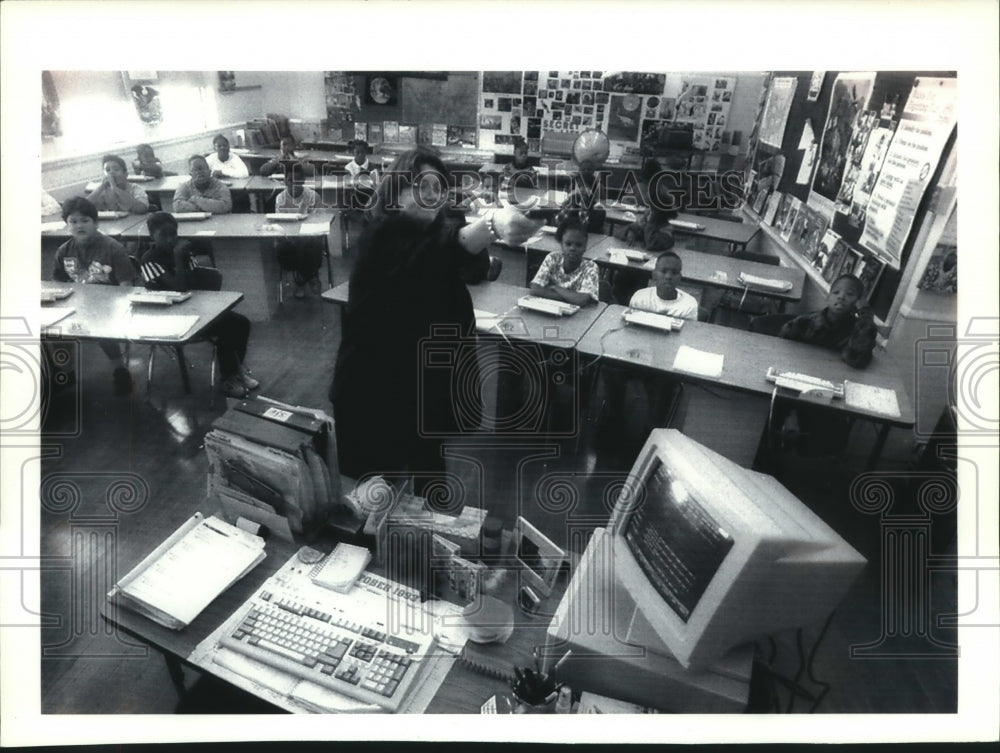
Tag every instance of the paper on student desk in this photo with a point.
(196, 563)
(314, 228)
(870, 398)
(696, 361)
(205, 232)
(50, 315)
(55, 225)
(161, 326)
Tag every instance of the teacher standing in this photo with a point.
(405, 370)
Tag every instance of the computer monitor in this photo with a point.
(713, 555)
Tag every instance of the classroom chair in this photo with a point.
(770, 324)
(202, 278)
(740, 306)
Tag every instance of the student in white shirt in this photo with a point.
(222, 163)
(303, 256)
(664, 297)
(360, 163)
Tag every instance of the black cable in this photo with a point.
(809, 665)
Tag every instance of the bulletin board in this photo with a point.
(812, 189)
(630, 106)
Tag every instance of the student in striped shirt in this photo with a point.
(170, 265)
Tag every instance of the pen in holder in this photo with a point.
(537, 690)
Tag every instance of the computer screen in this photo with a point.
(676, 543)
(707, 555)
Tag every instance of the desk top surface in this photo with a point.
(104, 312)
(268, 183)
(710, 269)
(463, 691)
(747, 357)
(169, 183)
(246, 226)
(500, 300)
(113, 228)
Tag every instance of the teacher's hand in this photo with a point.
(513, 227)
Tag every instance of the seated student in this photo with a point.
(202, 193)
(565, 275)
(664, 297)
(652, 230)
(846, 325)
(287, 156)
(222, 163)
(303, 255)
(583, 201)
(146, 162)
(521, 163)
(115, 193)
(92, 257)
(360, 164)
(169, 265)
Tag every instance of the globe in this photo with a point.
(591, 146)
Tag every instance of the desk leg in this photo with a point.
(182, 364)
(176, 671)
(881, 436)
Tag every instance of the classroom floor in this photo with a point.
(124, 470)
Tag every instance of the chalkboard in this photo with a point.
(453, 101)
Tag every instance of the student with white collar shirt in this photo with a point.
(223, 164)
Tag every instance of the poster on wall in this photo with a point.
(871, 165)
(775, 117)
(851, 92)
(629, 82)
(924, 127)
(815, 85)
(624, 117)
(863, 126)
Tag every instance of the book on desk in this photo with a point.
(185, 573)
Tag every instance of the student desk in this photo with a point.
(541, 337)
(112, 228)
(736, 235)
(712, 270)
(747, 357)
(463, 690)
(256, 158)
(500, 300)
(243, 248)
(103, 312)
(161, 190)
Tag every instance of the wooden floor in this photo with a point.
(128, 470)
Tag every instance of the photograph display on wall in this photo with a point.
(851, 92)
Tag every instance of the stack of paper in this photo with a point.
(182, 576)
(161, 326)
(870, 398)
(696, 361)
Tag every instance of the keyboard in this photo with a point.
(804, 383)
(661, 322)
(685, 225)
(187, 216)
(55, 294)
(547, 306)
(764, 282)
(364, 644)
(159, 297)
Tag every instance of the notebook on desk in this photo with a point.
(188, 216)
